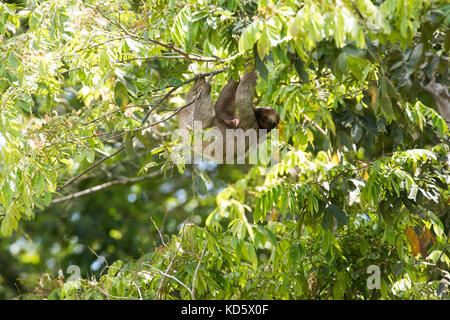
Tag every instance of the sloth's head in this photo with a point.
(267, 118)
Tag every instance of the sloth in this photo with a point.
(234, 96)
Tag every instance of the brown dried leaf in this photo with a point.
(424, 240)
(432, 238)
(373, 94)
(423, 248)
(273, 215)
(426, 235)
(413, 240)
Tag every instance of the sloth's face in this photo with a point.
(267, 118)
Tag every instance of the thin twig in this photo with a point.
(139, 291)
(104, 42)
(194, 279)
(103, 186)
(167, 275)
(315, 124)
(151, 124)
(90, 168)
(151, 57)
(115, 297)
(67, 71)
(101, 258)
(159, 231)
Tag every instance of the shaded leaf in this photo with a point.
(121, 96)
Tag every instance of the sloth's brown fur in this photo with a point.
(234, 96)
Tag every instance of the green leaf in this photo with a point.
(6, 225)
(364, 247)
(390, 235)
(47, 199)
(339, 214)
(338, 291)
(271, 236)
(147, 166)
(157, 150)
(23, 105)
(263, 45)
(327, 219)
(129, 145)
(384, 288)
(104, 62)
(385, 208)
(280, 55)
(294, 27)
(39, 184)
(66, 161)
(200, 186)
(90, 156)
(13, 62)
(356, 67)
(121, 96)
(261, 67)
(294, 256)
(232, 5)
(325, 244)
(249, 37)
(251, 253)
(300, 67)
(258, 214)
(339, 33)
(142, 139)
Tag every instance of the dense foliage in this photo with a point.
(89, 96)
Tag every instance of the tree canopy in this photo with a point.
(357, 207)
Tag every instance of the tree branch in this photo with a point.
(200, 75)
(167, 275)
(90, 168)
(103, 186)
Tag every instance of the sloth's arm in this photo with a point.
(225, 104)
(185, 116)
(204, 108)
(244, 101)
